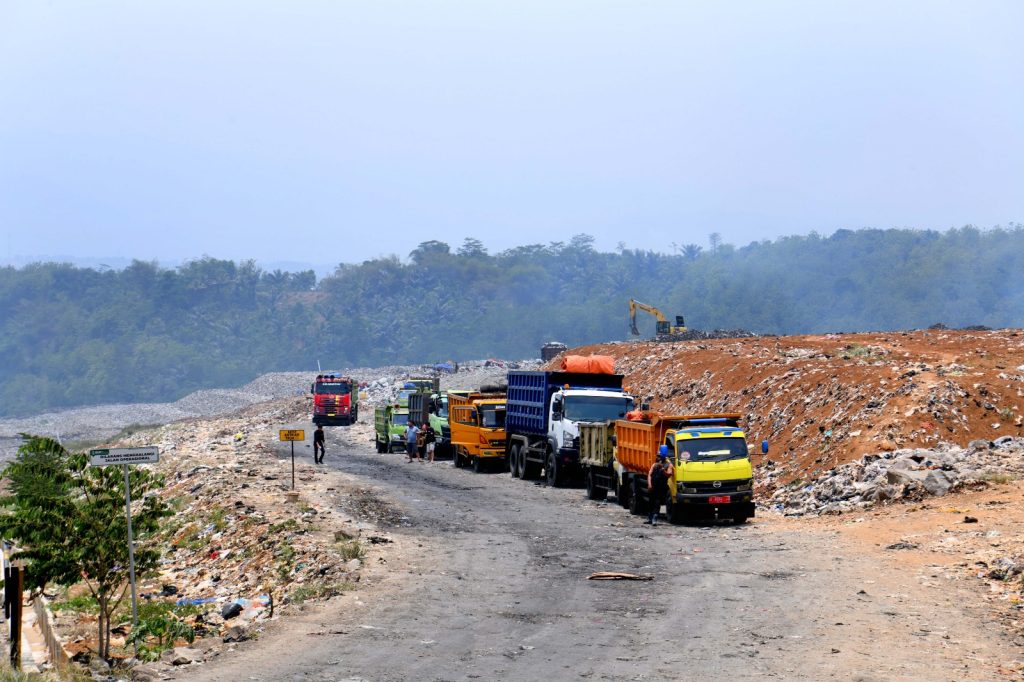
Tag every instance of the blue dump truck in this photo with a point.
(544, 410)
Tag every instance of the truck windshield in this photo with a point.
(332, 388)
(400, 419)
(711, 449)
(442, 407)
(587, 408)
(492, 416)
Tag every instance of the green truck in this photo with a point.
(389, 424)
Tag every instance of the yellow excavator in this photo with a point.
(662, 327)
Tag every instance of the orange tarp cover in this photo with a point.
(593, 364)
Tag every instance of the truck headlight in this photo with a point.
(747, 485)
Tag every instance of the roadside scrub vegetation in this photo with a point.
(67, 520)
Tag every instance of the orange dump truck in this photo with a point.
(477, 423)
(713, 475)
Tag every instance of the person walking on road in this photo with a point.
(411, 435)
(318, 444)
(429, 438)
(657, 483)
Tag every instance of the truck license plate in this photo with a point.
(719, 499)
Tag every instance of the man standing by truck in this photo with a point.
(657, 483)
(318, 444)
(429, 438)
(411, 446)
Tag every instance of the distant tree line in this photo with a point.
(73, 336)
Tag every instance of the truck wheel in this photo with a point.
(636, 499)
(622, 494)
(554, 476)
(379, 448)
(478, 465)
(456, 458)
(513, 461)
(594, 491)
(739, 519)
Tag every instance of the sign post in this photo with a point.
(124, 457)
(292, 435)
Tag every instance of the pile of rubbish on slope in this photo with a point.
(910, 474)
(701, 335)
(468, 375)
(240, 547)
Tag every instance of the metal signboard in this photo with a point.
(143, 455)
(292, 434)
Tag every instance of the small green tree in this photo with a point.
(165, 629)
(69, 518)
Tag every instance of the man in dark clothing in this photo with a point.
(657, 483)
(429, 438)
(318, 444)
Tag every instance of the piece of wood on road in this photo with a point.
(612, 575)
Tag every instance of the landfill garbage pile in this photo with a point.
(700, 335)
(386, 382)
(910, 474)
(240, 546)
(823, 401)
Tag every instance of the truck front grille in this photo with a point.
(708, 487)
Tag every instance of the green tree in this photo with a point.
(68, 520)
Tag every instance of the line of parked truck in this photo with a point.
(573, 427)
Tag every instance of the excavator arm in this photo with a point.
(635, 305)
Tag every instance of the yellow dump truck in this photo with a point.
(713, 475)
(477, 423)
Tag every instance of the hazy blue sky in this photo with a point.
(338, 131)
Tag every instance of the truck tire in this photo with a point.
(739, 519)
(637, 504)
(456, 460)
(552, 474)
(594, 491)
(478, 465)
(622, 493)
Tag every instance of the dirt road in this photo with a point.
(486, 579)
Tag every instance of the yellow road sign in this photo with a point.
(293, 434)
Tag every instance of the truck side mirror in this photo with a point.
(764, 447)
(312, 388)
(556, 410)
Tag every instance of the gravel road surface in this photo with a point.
(487, 579)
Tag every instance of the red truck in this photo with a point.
(335, 400)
